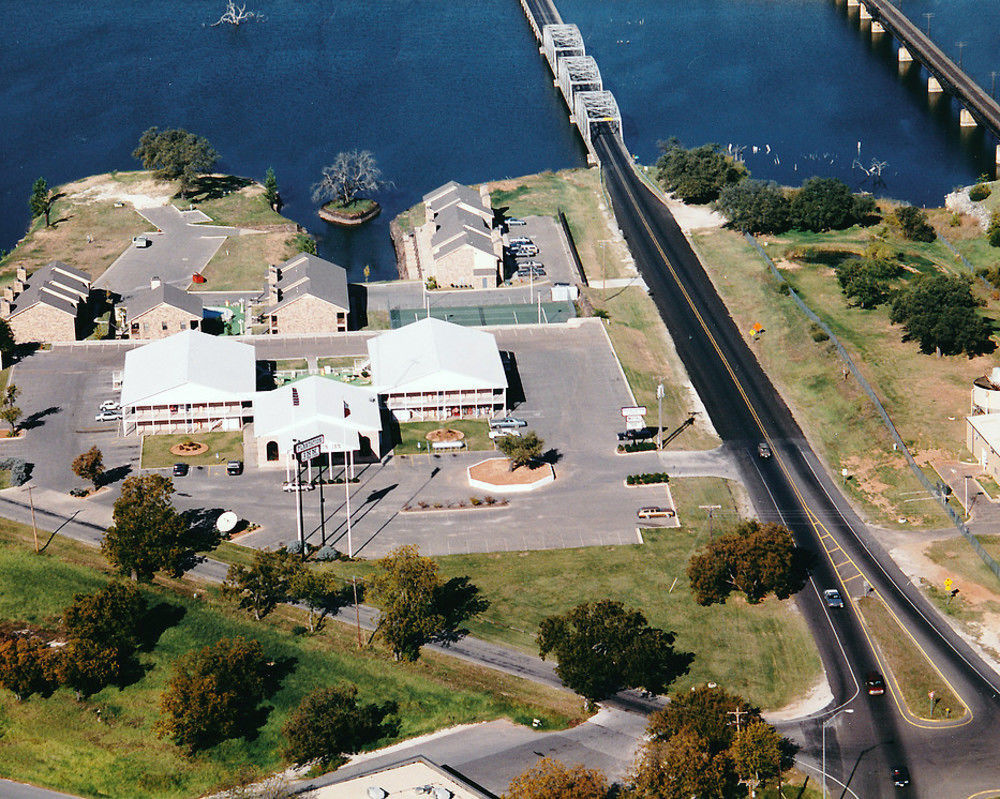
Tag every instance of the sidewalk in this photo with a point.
(967, 492)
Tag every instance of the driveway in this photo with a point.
(181, 246)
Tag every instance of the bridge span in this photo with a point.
(978, 107)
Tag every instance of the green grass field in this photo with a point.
(241, 206)
(913, 672)
(763, 652)
(477, 435)
(221, 448)
(60, 743)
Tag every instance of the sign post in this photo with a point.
(304, 452)
(659, 417)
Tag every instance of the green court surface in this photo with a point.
(487, 315)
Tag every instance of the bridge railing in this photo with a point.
(932, 489)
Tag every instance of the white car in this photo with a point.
(495, 434)
(141, 242)
(513, 221)
(108, 416)
(110, 405)
(292, 486)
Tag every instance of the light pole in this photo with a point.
(659, 416)
(927, 16)
(966, 476)
(993, 84)
(960, 46)
(825, 725)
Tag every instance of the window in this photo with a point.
(271, 450)
(164, 326)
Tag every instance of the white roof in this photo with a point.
(409, 778)
(988, 426)
(434, 355)
(189, 367)
(325, 407)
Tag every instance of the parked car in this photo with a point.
(504, 432)
(520, 241)
(513, 221)
(108, 416)
(524, 251)
(291, 485)
(764, 449)
(141, 241)
(530, 265)
(874, 684)
(110, 405)
(234, 467)
(900, 776)
(653, 512)
(180, 469)
(833, 598)
(635, 435)
(507, 422)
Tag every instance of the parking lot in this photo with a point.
(573, 389)
(553, 252)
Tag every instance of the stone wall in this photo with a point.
(43, 323)
(309, 315)
(151, 324)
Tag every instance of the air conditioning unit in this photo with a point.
(374, 792)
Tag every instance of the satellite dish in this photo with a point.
(226, 522)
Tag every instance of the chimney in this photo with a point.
(155, 282)
(18, 287)
(4, 307)
(22, 274)
(8, 293)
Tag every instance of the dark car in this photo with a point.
(874, 684)
(635, 435)
(900, 776)
(764, 449)
(234, 467)
(180, 469)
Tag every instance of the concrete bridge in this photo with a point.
(944, 75)
(592, 108)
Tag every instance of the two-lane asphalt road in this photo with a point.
(794, 488)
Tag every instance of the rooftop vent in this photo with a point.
(295, 397)
(374, 792)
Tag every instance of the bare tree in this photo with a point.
(236, 15)
(349, 175)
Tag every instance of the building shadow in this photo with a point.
(515, 388)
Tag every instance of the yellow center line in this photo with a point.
(817, 525)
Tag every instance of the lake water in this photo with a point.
(442, 91)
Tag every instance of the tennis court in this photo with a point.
(488, 315)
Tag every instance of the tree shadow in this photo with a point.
(114, 475)
(212, 187)
(158, 619)
(34, 420)
(203, 535)
(456, 601)
(550, 457)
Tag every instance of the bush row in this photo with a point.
(647, 478)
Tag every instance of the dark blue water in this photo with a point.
(442, 91)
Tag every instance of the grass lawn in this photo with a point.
(647, 356)
(963, 564)
(241, 203)
(227, 445)
(58, 742)
(913, 672)
(377, 320)
(345, 362)
(836, 415)
(477, 435)
(241, 262)
(763, 652)
(412, 218)
(577, 192)
(291, 365)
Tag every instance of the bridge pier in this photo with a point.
(933, 85)
(853, 3)
(998, 157)
(877, 28)
(865, 14)
(904, 56)
(965, 119)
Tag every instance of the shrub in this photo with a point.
(755, 206)
(327, 553)
(913, 224)
(474, 501)
(993, 231)
(818, 334)
(784, 289)
(79, 492)
(827, 203)
(647, 478)
(979, 192)
(19, 470)
(638, 446)
(697, 175)
(956, 220)
(600, 313)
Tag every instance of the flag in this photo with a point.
(347, 410)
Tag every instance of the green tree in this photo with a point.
(86, 668)
(271, 188)
(90, 466)
(912, 223)
(318, 591)
(521, 450)
(697, 175)
(550, 779)
(602, 647)
(867, 278)
(706, 712)
(940, 313)
(993, 231)
(415, 607)
(7, 343)
(679, 768)
(827, 203)
(758, 756)
(265, 582)
(9, 411)
(41, 200)
(26, 666)
(755, 559)
(755, 206)
(176, 154)
(148, 534)
(213, 694)
(111, 618)
(331, 722)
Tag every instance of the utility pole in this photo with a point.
(993, 84)
(659, 417)
(738, 714)
(711, 509)
(347, 497)
(34, 527)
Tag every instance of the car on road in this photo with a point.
(141, 242)
(110, 405)
(874, 684)
(504, 432)
(180, 469)
(833, 598)
(654, 512)
(292, 486)
(900, 776)
(513, 221)
(108, 416)
(507, 422)
(764, 449)
(234, 467)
